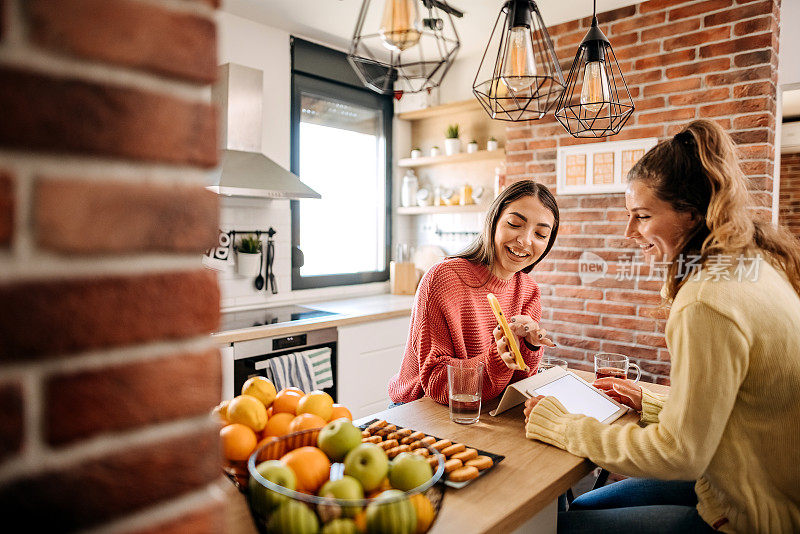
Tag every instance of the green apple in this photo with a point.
(394, 517)
(407, 471)
(337, 438)
(340, 526)
(346, 488)
(368, 464)
(293, 517)
(264, 499)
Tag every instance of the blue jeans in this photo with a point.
(639, 505)
(395, 405)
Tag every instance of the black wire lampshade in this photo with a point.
(519, 77)
(591, 105)
(404, 46)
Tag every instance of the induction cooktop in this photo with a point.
(264, 316)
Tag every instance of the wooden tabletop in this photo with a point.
(531, 476)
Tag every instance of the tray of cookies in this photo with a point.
(463, 464)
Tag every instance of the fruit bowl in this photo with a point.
(275, 508)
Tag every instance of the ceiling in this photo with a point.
(332, 21)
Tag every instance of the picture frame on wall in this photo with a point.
(598, 167)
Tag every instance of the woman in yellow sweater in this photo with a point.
(731, 423)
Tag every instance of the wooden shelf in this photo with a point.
(500, 153)
(426, 210)
(445, 109)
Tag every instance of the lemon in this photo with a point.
(248, 411)
(221, 411)
(260, 388)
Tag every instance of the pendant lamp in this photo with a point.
(404, 46)
(519, 77)
(591, 105)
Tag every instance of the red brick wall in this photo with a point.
(682, 60)
(107, 374)
(789, 201)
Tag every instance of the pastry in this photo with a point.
(371, 439)
(452, 465)
(441, 444)
(422, 451)
(385, 431)
(468, 454)
(388, 444)
(453, 449)
(376, 425)
(428, 441)
(481, 462)
(462, 474)
(405, 432)
(391, 453)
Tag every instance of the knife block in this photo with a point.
(403, 278)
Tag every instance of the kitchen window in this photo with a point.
(341, 148)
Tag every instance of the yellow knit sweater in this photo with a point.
(732, 419)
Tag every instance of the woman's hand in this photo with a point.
(623, 391)
(502, 349)
(529, 405)
(525, 327)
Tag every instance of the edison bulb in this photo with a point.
(518, 71)
(400, 25)
(594, 92)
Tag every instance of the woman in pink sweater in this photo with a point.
(452, 318)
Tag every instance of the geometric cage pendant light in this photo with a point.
(398, 48)
(591, 104)
(519, 77)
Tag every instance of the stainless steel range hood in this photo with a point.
(244, 170)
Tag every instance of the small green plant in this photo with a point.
(417, 148)
(249, 245)
(452, 132)
(473, 141)
(492, 139)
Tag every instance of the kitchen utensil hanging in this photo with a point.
(270, 259)
(259, 283)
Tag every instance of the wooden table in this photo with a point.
(527, 481)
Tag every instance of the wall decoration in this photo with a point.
(598, 167)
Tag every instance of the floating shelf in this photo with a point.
(425, 210)
(455, 158)
(445, 109)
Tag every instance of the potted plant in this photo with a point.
(472, 146)
(434, 151)
(452, 144)
(248, 256)
(491, 144)
(416, 152)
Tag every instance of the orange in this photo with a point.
(261, 388)
(316, 402)
(248, 411)
(361, 520)
(311, 467)
(340, 411)
(295, 389)
(425, 512)
(269, 412)
(265, 441)
(278, 425)
(306, 421)
(238, 441)
(383, 486)
(287, 400)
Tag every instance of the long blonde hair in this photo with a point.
(698, 172)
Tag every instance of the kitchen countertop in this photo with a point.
(350, 311)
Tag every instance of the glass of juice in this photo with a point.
(610, 365)
(465, 383)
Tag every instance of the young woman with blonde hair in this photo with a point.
(721, 452)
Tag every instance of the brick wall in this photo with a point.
(714, 59)
(789, 201)
(107, 374)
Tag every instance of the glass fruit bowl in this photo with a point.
(275, 508)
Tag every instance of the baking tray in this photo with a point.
(496, 458)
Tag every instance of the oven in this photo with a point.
(244, 359)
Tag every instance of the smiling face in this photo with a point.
(654, 224)
(522, 233)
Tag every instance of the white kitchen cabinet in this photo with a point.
(369, 354)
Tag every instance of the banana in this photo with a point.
(512, 339)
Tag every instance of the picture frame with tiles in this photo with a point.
(598, 167)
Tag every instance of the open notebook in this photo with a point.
(577, 395)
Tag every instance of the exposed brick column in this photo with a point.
(789, 202)
(682, 60)
(107, 372)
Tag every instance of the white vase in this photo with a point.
(472, 148)
(247, 264)
(416, 153)
(491, 145)
(452, 146)
(434, 151)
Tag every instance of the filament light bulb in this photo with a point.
(518, 71)
(595, 92)
(400, 25)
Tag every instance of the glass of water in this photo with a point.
(465, 383)
(548, 362)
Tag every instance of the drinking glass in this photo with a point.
(465, 383)
(610, 365)
(548, 362)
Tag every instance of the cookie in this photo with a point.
(422, 452)
(391, 453)
(385, 431)
(388, 444)
(453, 449)
(427, 441)
(442, 444)
(462, 474)
(468, 454)
(433, 461)
(481, 462)
(411, 438)
(377, 425)
(372, 439)
(414, 445)
(452, 465)
(405, 432)
(365, 433)
(395, 436)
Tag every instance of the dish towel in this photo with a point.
(321, 363)
(288, 370)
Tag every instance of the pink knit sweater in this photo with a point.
(452, 319)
